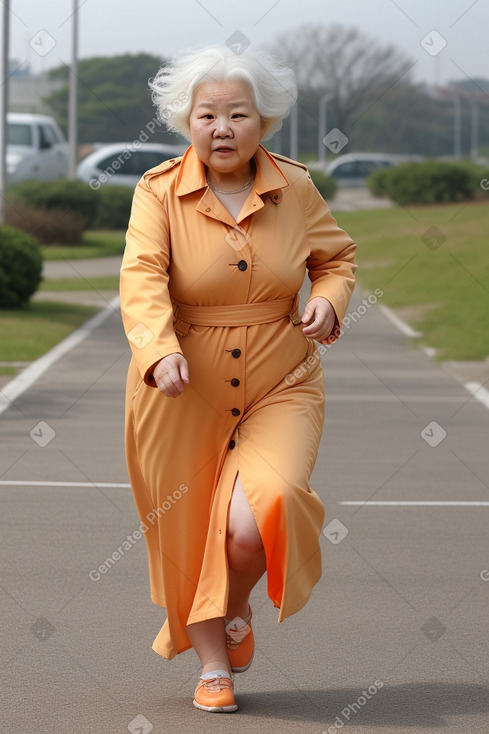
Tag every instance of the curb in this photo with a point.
(23, 381)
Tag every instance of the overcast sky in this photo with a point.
(40, 31)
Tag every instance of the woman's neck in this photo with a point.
(232, 181)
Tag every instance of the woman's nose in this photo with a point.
(222, 128)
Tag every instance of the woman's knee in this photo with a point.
(245, 539)
(243, 531)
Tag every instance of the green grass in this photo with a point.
(442, 291)
(103, 283)
(28, 333)
(94, 244)
(4, 371)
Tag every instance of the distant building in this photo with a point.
(27, 91)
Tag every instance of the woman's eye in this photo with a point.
(238, 114)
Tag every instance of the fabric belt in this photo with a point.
(241, 314)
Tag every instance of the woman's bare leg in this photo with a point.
(246, 557)
(208, 639)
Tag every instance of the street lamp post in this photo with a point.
(4, 74)
(474, 138)
(323, 102)
(457, 128)
(73, 97)
(294, 131)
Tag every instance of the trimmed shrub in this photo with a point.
(427, 182)
(378, 181)
(69, 197)
(325, 184)
(481, 181)
(20, 267)
(47, 226)
(114, 207)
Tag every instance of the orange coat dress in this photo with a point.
(223, 292)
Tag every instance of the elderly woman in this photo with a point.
(225, 394)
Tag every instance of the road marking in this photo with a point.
(474, 388)
(28, 377)
(21, 483)
(401, 325)
(478, 392)
(331, 397)
(416, 503)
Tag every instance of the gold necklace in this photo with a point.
(237, 191)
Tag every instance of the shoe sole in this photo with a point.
(216, 709)
(244, 668)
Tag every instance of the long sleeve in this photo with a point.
(331, 262)
(146, 307)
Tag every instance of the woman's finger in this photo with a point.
(170, 375)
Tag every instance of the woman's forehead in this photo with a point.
(230, 91)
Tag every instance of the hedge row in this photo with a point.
(59, 211)
(430, 182)
(326, 185)
(20, 267)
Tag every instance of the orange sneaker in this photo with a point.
(240, 644)
(215, 694)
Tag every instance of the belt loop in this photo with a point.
(294, 312)
(180, 327)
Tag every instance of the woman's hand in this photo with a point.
(170, 374)
(319, 317)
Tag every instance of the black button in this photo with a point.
(236, 353)
(242, 265)
(236, 411)
(232, 444)
(235, 382)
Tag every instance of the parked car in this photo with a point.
(123, 164)
(36, 148)
(353, 169)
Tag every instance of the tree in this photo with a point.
(350, 67)
(114, 100)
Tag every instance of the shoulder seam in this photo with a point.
(163, 167)
(289, 160)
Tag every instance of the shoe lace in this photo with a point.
(235, 633)
(213, 684)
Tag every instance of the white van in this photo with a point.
(36, 148)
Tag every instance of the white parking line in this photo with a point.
(478, 392)
(105, 485)
(28, 377)
(401, 325)
(474, 388)
(415, 503)
(370, 398)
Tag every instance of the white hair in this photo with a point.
(271, 81)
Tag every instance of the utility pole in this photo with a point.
(457, 128)
(294, 131)
(474, 138)
(4, 75)
(73, 97)
(323, 102)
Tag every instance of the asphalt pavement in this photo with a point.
(394, 638)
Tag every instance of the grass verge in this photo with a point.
(103, 283)
(94, 244)
(29, 333)
(432, 264)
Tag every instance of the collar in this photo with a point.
(191, 174)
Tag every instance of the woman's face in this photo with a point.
(225, 127)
